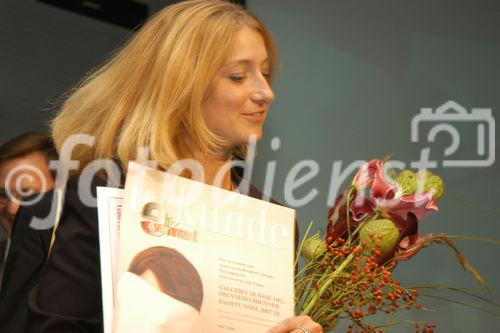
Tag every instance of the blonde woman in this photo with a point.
(194, 82)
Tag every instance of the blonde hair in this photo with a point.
(150, 93)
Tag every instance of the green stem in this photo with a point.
(310, 305)
(299, 253)
(479, 238)
(469, 305)
(456, 289)
(348, 211)
(310, 293)
(399, 321)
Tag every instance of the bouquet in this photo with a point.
(372, 226)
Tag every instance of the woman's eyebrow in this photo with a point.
(243, 62)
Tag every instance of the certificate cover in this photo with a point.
(197, 258)
(109, 206)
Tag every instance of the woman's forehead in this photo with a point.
(248, 46)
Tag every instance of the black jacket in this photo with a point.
(67, 293)
(67, 297)
(27, 254)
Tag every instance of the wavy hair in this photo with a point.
(149, 93)
(176, 276)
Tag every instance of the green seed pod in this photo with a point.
(384, 227)
(313, 247)
(431, 182)
(407, 182)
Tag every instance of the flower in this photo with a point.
(410, 245)
(381, 187)
(390, 196)
(364, 177)
(372, 225)
(360, 207)
(421, 205)
(396, 201)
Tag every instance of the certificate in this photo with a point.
(197, 258)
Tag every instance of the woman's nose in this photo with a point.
(262, 93)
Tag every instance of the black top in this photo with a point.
(67, 297)
(27, 254)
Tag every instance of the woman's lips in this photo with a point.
(258, 116)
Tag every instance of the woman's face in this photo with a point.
(239, 98)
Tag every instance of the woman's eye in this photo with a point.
(267, 76)
(236, 78)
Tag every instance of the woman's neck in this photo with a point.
(218, 173)
(216, 169)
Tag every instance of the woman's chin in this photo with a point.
(253, 136)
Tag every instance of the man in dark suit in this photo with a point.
(23, 171)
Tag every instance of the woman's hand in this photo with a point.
(297, 324)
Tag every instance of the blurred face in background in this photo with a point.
(20, 177)
(239, 98)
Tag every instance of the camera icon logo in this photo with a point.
(444, 116)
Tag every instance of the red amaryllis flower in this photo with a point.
(403, 210)
(388, 198)
(381, 188)
(421, 204)
(364, 177)
(410, 245)
(407, 226)
(360, 207)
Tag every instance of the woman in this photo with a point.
(194, 83)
